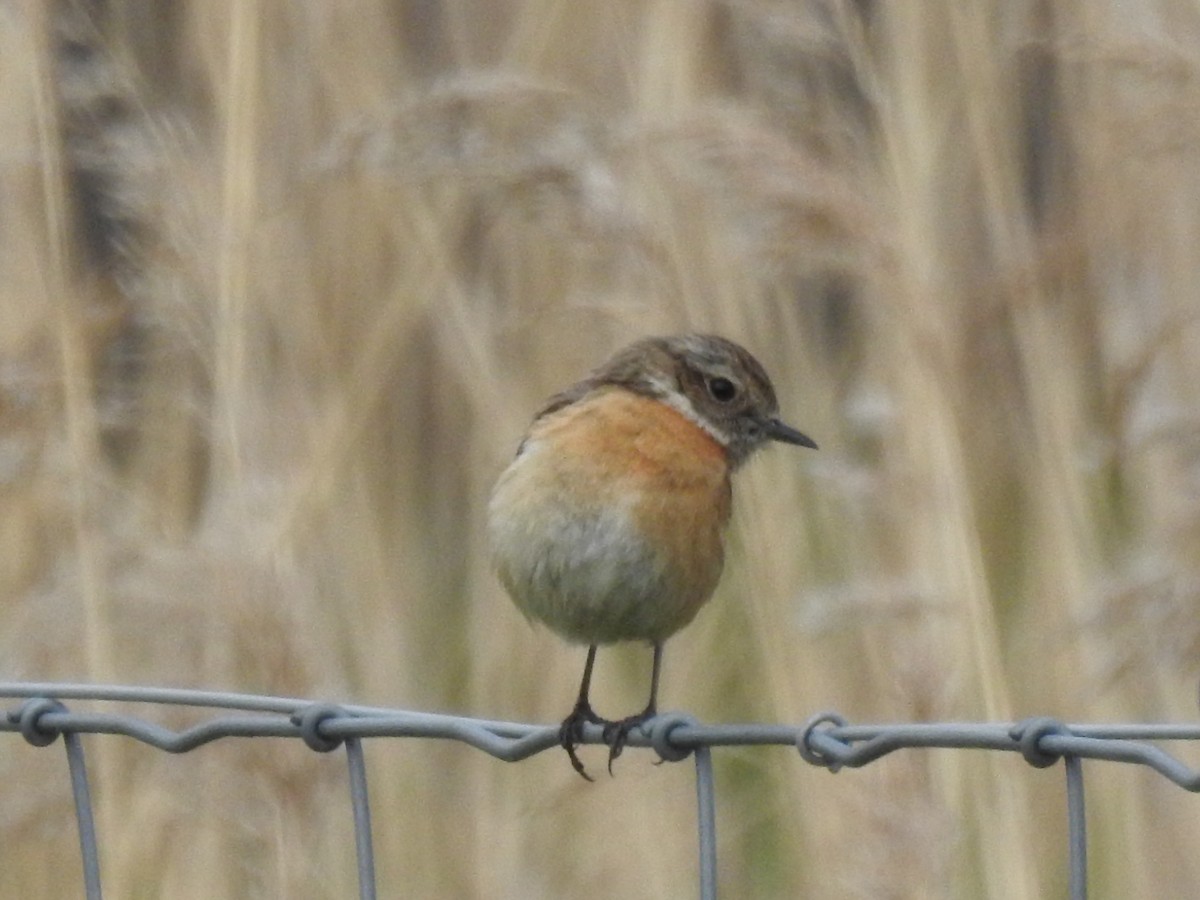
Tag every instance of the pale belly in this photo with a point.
(600, 559)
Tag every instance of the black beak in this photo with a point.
(777, 431)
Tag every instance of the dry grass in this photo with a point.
(283, 283)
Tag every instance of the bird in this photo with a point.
(609, 523)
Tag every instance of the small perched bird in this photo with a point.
(609, 523)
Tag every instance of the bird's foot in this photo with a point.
(616, 734)
(570, 734)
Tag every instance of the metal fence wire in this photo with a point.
(826, 740)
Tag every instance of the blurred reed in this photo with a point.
(284, 282)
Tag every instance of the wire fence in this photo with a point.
(826, 740)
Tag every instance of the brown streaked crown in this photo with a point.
(713, 381)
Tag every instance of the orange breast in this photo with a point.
(618, 441)
(669, 478)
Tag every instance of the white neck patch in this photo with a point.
(680, 402)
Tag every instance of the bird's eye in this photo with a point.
(721, 389)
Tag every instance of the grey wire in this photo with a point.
(706, 816)
(360, 802)
(88, 848)
(1076, 829)
(826, 740)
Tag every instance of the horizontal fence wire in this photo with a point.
(826, 740)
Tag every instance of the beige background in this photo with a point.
(284, 281)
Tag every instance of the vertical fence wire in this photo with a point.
(1076, 829)
(706, 815)
(360, 802)
(88, 850)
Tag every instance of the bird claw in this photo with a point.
(616, 734)
(570, 734)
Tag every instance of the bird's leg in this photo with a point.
(571, 732)
(617, 733)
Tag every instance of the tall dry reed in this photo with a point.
(282, 284)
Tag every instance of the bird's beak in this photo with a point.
(778, 431)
